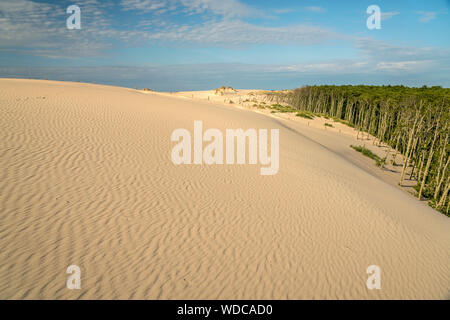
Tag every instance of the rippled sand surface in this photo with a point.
(86, 178)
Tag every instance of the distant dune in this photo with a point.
(87, 179)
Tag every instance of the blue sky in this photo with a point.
(203, 44)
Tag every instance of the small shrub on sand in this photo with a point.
(366, 152)
(282, 109)
(344, 122)
(306, 115)
(328, 125)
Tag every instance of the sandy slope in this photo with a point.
(86, 179)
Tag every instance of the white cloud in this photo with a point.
(227, 8)
(388, 15)
(236, 32)
(427, 16)
(415, 66)
(38, 28)
(377, 49)
(384, 57)
(145, 5)
(284, 10)
(316, 9)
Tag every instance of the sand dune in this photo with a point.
(86, 179)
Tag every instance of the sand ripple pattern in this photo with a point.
(86, 179)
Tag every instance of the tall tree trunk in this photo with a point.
(408, 148)
(427, 167)
(438, 187)
(441, 161)
(444, 194)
